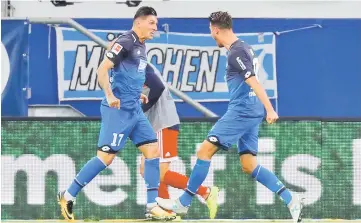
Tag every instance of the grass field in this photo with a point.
(188, 220)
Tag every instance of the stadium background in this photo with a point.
(316, 152)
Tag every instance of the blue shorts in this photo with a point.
(232, 129)
(119, 124)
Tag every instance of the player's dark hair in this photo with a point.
(145, 11)
(222, 20)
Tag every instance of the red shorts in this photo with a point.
(168, 145)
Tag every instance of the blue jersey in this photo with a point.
(127, 79)
(241, 65)
(128, 74)
(245, 111)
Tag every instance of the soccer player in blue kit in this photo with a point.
(122, 114)
(239, 124)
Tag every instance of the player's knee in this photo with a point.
(247, 169)
(206, 151)
(248, 165)
(106, 158)
(150, 151)
(201, 154)
(153, 153)
(107, 161)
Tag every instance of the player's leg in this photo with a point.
(144, 138)
(111, 139)
(164, 166)
(180, 181)
(168, 147)
(198, 175)
(223, 134)
(163, 188)
(248, 148)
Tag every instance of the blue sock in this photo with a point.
(152, 178)
(86, 174)
(196, 179)
(269, 180)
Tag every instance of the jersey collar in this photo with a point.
(233, 44)
(135, 37)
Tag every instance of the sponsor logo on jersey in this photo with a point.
(142, 65)
(252, 94)
(241, 64)
(117, 48)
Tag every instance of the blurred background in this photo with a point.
(310, 57)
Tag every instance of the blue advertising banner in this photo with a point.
(190, 62)
(14, 67)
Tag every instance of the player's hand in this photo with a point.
(113, 101)
(144, 98)
(272, 117)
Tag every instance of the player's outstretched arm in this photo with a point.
(103, 80)
(155, 86)
(262, 95)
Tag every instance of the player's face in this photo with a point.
(148, 26)
(215, 35)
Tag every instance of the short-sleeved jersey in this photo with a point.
(241, 65)
(128, 74)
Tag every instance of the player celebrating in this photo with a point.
(122, 115)
(162, 114)
(239, 124)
